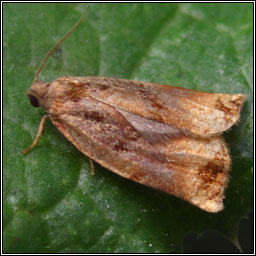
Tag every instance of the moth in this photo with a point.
(165, 137)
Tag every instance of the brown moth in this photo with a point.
(161, 136)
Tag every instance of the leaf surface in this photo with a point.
(52, 204)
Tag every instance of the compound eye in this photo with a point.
(33, 101)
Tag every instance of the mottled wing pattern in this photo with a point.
(194, 169)
(197, 113)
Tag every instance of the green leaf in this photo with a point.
(51, 202)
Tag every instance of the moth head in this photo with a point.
(37, 94)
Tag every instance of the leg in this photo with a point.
(92, 167)
(39, 132)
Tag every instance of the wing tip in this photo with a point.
(212, 206)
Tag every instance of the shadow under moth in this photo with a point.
(165, 137)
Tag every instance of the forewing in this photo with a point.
(193, 169)
(198, 113)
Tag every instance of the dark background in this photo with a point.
(214, 242)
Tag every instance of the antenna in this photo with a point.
(58, 44)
